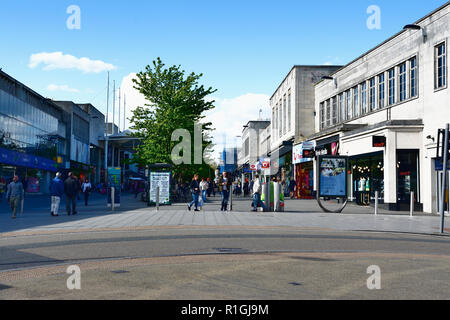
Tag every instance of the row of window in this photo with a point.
(20, 110)
(281, 116)
(386, 89)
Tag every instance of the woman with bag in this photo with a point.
(86, 187)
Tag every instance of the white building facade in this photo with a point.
(292, 106)
(398, 93)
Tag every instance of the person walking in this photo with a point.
(56, 192)
(257, 190)
(224, 189)
(15, 194)
(195, 190)
(246, 187)
(210, 187)
(204, 188)
(86, 187)
(71, 191)
(292, 186)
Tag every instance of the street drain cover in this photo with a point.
(295, 283)
(4, 287)
(120, 271)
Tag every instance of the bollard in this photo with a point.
(113, 191)
(411, 207)
(231, 198)
(157, 198)
(267, 196)
(276, 197)
(376, 202)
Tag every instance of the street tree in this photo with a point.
(175, 100)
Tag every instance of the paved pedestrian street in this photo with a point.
(134, 213)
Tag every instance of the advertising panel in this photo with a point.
(333, 176)
(114, 182)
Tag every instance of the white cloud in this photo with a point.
(64, 88)
(58, 60)
(133, 98)
(230, 115)
(227, 118)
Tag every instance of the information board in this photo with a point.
(114, 182)
(161, 179)
(333, 176)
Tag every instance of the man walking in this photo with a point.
(56, 192)
(71, 191)
(257, 190)
(195, 189)
(15, 195)
(224, 189)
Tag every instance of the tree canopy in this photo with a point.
(175, 101)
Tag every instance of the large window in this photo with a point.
(284, 115)
(440, 63)
(391, 88)
(372, 96)
(341, 107)
(402, 82)
(334, 111)
(280, 120)
(413, 77)
(356, 101)
(322, 116)
(328, 122)
(289, 111)
(348, 95)
(363, 98)
(381, 91)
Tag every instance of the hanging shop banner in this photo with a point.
(161, 180)
(114, 182)
(333, 176)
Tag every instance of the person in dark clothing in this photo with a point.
(224, 189)
(246, 187)
(292, 186)
(71, 191)
(210, 187)
(195, 189)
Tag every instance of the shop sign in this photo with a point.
(438, 165)
(378, 141)
(333, 176)
(299, 149)
(26, 160)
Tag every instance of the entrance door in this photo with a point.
(407, 176)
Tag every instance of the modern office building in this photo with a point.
(33, 141)
(292, 106)
(383, 110)
(85, 129)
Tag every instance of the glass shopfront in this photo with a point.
(304, 176)
(367, 175)
(407, 175)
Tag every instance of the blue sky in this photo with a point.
(243, 48)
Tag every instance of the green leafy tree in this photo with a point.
(175, 101)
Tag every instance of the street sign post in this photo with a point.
(445, 157)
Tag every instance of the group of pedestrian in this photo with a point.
(71, 188)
